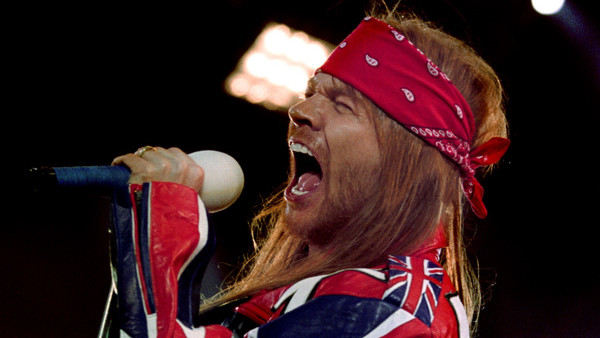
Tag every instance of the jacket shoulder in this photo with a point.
(423, 289)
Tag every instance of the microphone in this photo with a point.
(223, 178)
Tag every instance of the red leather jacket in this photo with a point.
(163, 242)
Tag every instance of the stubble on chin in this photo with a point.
(320, 229)
(322, 226)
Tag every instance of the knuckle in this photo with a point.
(177, 167)
(148, 173)
(164, 166)
(199, 171)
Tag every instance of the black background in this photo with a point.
(86, 82)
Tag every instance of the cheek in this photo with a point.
(354, 152)
(364, 150)
(356, 163)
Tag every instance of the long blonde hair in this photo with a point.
(422, 190)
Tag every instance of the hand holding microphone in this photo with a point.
(165, 165)
(216, 176)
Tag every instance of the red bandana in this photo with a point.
(386, 67)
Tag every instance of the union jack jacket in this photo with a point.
(162, 243)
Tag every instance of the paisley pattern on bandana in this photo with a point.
(385, 65)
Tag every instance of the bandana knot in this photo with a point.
(484, 155)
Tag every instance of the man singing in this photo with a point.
(367, 238)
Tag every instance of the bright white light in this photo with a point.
(276, 39)
(547, 7)
(296, 79)
(277, 73)
(297, 46)
(275, 70)
(257, 64)
(315, 55)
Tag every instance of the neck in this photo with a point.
(317, 251)
(430, 248)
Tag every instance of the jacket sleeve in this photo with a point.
(161, 244)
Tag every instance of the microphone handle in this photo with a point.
(223, 179)
(94, 177)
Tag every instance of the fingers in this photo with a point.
(165, 165)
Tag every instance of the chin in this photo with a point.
(316, 227)
(298, 223)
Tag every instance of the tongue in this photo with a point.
(308, 181)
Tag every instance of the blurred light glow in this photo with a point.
(239, 85)
(275, 70)
(275, 39)
(258, 93)
(257, 64)
(547, 7)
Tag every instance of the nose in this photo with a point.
(305, 113)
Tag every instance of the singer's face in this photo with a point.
(335, 160)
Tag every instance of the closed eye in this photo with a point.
(344, 105)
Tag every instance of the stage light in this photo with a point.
(583, 33)
(547, 7)
(275, 70)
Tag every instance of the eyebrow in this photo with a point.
(311, 87)
(338, 88)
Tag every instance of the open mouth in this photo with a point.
(308, 172)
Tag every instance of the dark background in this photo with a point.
(86, 82)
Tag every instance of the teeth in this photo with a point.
(298, 192)
(299, 148)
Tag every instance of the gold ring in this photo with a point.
(140, 152)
